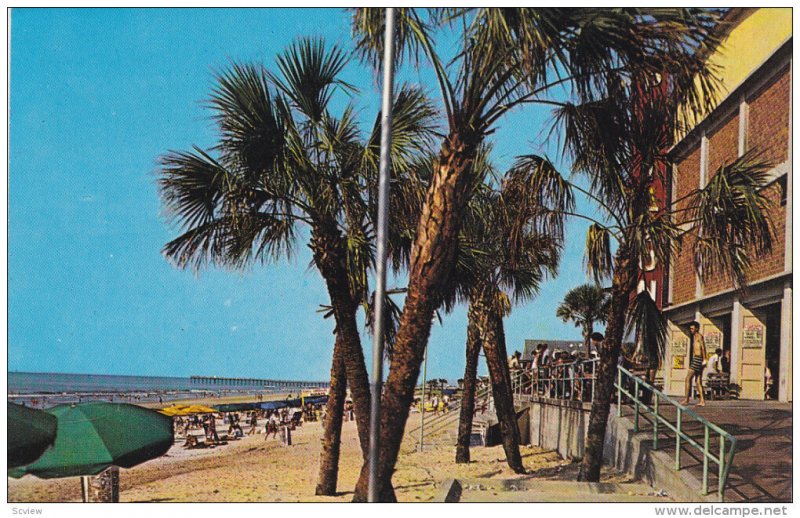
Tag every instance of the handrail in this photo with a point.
(451, 412)
(721, 460)
(552, 380)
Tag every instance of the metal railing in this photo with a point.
(483, 396)
(573, 380)
(626, 381)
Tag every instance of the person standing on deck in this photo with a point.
(697, 362)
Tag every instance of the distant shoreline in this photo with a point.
(42, 390)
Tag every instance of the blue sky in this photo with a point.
(96, 96)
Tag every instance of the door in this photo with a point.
(752, 340)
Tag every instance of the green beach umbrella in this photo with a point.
(30, 433)
(93, 436)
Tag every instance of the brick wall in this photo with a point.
(723, 148)
(768, 121)
(687, 176)
(723, 145)
(768, 131)
(774, 262)
(685, 180)
(684, 280)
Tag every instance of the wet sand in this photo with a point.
(257, 470)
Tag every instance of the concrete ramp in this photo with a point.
(533, 490)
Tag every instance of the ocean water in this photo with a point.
(41, 389)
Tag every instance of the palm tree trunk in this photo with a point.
(331, 260)
(622, 286)
(587, 333)
(432, 260)
(494, 345)
(468, 394)
(331, 440)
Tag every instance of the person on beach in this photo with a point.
(253, 424)
(272, 426)
(697, 362)
(212, 428)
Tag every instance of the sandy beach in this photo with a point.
(257, 470)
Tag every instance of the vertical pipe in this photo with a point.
(721, 482)
(705, 461)
(678, 441)
(422, 401)
(380, 267)
(636, 404)
(619, 393)
(655, 420)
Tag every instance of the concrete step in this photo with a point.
(533, 490)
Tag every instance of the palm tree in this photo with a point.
(584, 305)
(506, 58)
(284, 160)
(500, 253)
(618, 143)
(499, 249)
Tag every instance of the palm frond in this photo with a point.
(251, 132)
(413, 129)
(392, 313)
(732, 220)
(598, 252)
(201, 245)
(649, 325)
(369, 28)
(310, 74)
(539, 194)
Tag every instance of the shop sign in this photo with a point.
(679, 346)
(753, 336)
(713, 341)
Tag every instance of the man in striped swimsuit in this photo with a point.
(697, 355)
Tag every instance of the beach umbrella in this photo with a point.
(182, 410)
(174, 410)
(273, 405)
(30, 433)
(200, 409)
(94, 436)
(235, 407)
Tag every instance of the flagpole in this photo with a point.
(380, 290)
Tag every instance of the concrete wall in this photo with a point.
(562, 426)
(559, 425)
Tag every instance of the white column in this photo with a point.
(736, 336)
(698, 286)
(786, 344)
(744, 120)
(787, 263)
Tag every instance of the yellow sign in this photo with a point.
(677, 362)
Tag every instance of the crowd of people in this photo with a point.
(273, 421)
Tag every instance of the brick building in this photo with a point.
(754, 112)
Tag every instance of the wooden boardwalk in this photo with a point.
(762, 467)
